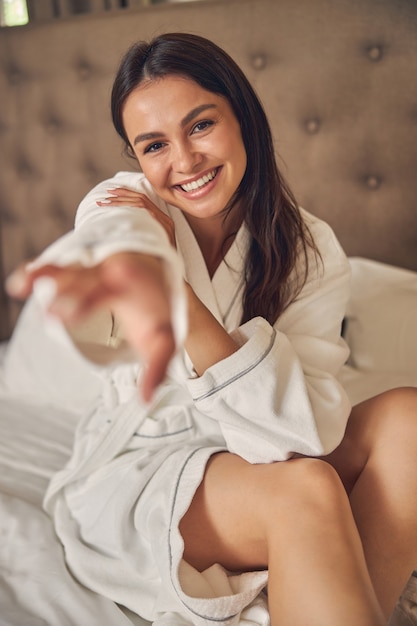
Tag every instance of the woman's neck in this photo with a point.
(214, 238)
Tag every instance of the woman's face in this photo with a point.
(188, 143)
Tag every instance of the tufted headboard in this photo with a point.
(337, 78)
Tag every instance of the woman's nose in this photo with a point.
(185, 158)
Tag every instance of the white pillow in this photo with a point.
(381, 325)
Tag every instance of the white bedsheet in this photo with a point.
(35, 586)
(35, 440)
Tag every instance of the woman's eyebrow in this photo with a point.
(196, 111)
(146, 137)
(186, 120)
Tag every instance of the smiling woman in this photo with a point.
(232, 298)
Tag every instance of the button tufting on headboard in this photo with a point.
(53, 125)
(373, 182)
(26, 170)
(375, 52)
(83, 70)
(258, 61)
(15, 75)
(312, 125)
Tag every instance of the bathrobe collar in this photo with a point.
(221, 293)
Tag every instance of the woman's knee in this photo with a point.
(239, 506)
(309, 490)
(390, 414)
(382, 427)
(400, 400)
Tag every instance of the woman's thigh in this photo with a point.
(238, 506)
(385, 425)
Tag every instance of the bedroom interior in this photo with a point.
(336, 80)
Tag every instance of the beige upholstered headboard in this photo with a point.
(338, 79)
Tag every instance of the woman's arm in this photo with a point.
(207, 342)
(119, 258)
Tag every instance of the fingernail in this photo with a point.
(16, 283)
(103, 201)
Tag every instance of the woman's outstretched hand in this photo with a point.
(132, 285)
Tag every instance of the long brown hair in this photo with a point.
(278, 232)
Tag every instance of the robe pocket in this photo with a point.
(168, 425)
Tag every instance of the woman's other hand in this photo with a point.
(122, 196)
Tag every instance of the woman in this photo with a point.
(238, 467)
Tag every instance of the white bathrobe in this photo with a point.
(135, 467)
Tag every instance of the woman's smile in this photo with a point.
(196, 187)
(199, 183)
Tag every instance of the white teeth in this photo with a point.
(196, 184)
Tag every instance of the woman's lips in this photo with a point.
(200, 184)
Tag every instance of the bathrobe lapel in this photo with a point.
(221, 294)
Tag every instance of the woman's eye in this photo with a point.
(153, 147)
(198, 128)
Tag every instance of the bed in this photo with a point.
(336, 78)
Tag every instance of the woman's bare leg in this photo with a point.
(294, 518)
(377, 461)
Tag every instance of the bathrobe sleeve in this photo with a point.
(101, 231)
(279, 394)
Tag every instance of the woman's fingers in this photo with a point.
(20, 282)
(121, 196)
(143, 307)
(160, 352)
